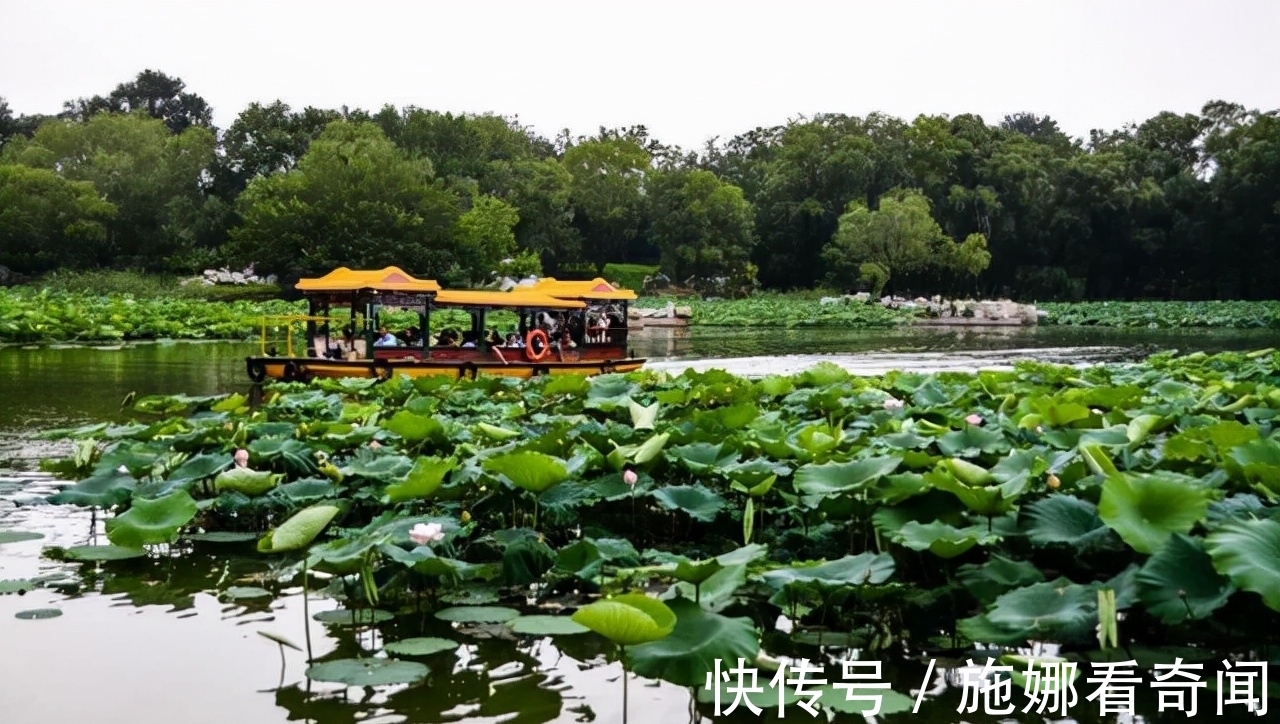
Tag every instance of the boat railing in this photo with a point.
(274, 322)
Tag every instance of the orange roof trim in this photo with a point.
(594, 290)
(519, 298)
(390, 279)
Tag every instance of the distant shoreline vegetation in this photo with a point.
(1178, 206)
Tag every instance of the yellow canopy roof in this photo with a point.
(597, 289)
(515, 298)
(390, 279)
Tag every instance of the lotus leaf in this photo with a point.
(222, 536)
(298, 531)
(102, 553)
(972, 442)
(38, 613)
(698, 501)
(20, 586)
(18, 536)
(1145, 510)
(700, 457)
(862, 569)
(425, 646)
(697, 642)
(477, 614)
(368, 672)
(546, 626)
(1053, 611)
(943, 540)
(198, 468)
(586, 558)
(1259, 461)
(1067, 520)
(643, 418)
(837, 478)
(1248, 553)
(630, 619)
(246, 481)
(310, 490)
(530, 471)
(152, 522)
(383, 468)
(998, 575)
(986, 500)
(104, 489)
(1179, 582)
(293, 454)
(353, 616)
(237, 593)
(413, 427)
(423, 480)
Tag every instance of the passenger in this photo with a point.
(470, 340)
(385, 339)
(566, 341)
(411, 337)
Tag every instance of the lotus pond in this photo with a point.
(458, 539)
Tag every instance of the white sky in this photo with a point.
(688, 70)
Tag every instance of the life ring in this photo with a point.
(256, 369)
(536, 334)
(381, 370)
(291, 372)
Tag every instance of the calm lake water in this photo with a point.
(145, 642)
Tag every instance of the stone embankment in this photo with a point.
(212, 277)
(963, 312)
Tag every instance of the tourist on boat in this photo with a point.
(411, 337)
(514, 341)
(385, 338)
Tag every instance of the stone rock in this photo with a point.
(684, 312)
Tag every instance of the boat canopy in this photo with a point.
(595, 290)
(515, 299)
(390, 279)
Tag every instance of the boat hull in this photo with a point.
(291, 369)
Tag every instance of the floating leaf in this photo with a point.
(368, 672)
(1066, 520)
(223, 536)
(546, 626)
(423, 646)
(18, 536)
(38, 613)
(1053, 611)
(353, 617)
(19, 586)
(477, 614)
(102, 553)
(237, 593)
(837, 478)
(152, 522)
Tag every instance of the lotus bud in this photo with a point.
(893, 403)
(974, 419)
(465, 517)
(242, 458)
(374, 444)
(1053, 482)
(426, 533)
(629, 477)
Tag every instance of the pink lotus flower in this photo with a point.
(374, 444)
(426, 533)
(242, 458)
(974, 419)
(630, 478)
(893, 403)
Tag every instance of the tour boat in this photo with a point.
(552, 327)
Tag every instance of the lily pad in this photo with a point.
(19, 586)
(353, 617)
(237, 593)
(18, 536)
(223, 536)
(422, 646)
(102, 553)
(368, 672)
(477, 614)
(38, 613)
(547, 626)
(152, 522)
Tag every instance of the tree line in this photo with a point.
(1180, 206)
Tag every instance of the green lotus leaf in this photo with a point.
(412, 427)
(1179, 582)
(246, 481)
(638, 454)
(423, 480)
(423, 646)
(1066, 520)
(238, 593)
(102, 553)
(1248, 553)
(1145, 510)
(698, 501)
(575, 385)
(532, 471)
(368, 672)
(1259, 461)
(642, 418)
(697, 642)
(696, 572)
(700, 457)
(943, 540)
(294, 454)
(199, 468)
(497, 433)
(982, 499)
(546, 626)
(586, 558)
(630, 619)
(299, 530)
(18, 586)
(310, 490)
(755, 474)
(353, 616)
(996, 576)
(862, 569)
(152, 522)
(222, 536)
(18, 536)
(383, 468)
(38, 613)
(1053, 611)
(972, 441)
(477, 614)
(837, 478)
(103, 489)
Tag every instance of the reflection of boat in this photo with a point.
(559, 327)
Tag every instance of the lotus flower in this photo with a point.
(629, 477)
(974, 419)
(242, 458)
(426, 533)
(374, 444)
(893, 403)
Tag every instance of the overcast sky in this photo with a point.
(688, 70)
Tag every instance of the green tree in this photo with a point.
(483, 237)
(703, 226)
(353, 200)
(541, 189)
(47, 221)
(607, 178)
(152, 92)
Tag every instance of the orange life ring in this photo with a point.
(528, 345)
